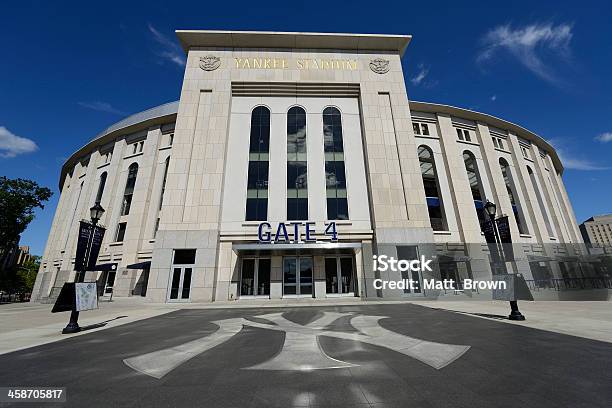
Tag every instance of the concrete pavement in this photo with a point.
(24, 325)
(382, 353)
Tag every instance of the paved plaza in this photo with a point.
(386, 355)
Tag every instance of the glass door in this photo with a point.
(409, 253)
(255, 277)
(297, 276)
(339, 276)
(180, 287)
(110, 282)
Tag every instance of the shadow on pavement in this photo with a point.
(487, 315)
(101, 324)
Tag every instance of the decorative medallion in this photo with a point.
(379, 66)
(210, 62)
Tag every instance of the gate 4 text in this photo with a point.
(292, 232)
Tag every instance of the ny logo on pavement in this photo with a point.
(301, 350)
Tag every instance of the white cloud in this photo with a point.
(529, 44)
(604, 137)
(571, 161)
(101, 107)
(168, 48)
(579, 164)
(420, 76)
(11, 145)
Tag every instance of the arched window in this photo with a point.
(257, 180)
(101, 187)
(335, 178)
(475, 184)
(430, 182)
(297, 177)
(534, 184)
(129, 189)
(510, 187)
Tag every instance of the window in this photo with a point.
(525, 151)
(297, 175)
(257, 179)
(510, 187)
(120, 234)
(425, 129)
(541, 204)
(163, 188)
(129, 189)
(156, 228)
(101, 187)
(170, 139)
(498, 142)
(464, 135)
(475, 184)
(137, 147)
(184, 257)
(430, 183)
(335, 177)
(107, 157)
(420, 129)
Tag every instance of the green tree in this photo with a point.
(18, 199)
(26, 274)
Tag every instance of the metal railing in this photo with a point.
(14, 297)
(570, 283)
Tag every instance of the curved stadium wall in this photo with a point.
(314, 137)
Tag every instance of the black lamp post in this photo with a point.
(491, 209)
(95, 213)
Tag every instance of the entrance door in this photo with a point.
(255, 277)
(110, 282)
(339, 277)
(410, 253)
(180, 287)
(297, 276)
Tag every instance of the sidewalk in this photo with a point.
(591, 320)
(24, 325)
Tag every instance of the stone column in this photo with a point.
(461, 192)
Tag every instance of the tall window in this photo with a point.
(297, 177)
(516, 209)
(335, 178)
(540, 199)
(475, 184)
(257, 181)
(129, 189)
(430, 182)
(101, 187)
(120, 233)
(163, 188)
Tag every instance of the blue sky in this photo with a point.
(70, 69)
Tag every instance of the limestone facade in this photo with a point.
(195, 154)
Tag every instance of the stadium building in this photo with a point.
(288, 162)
